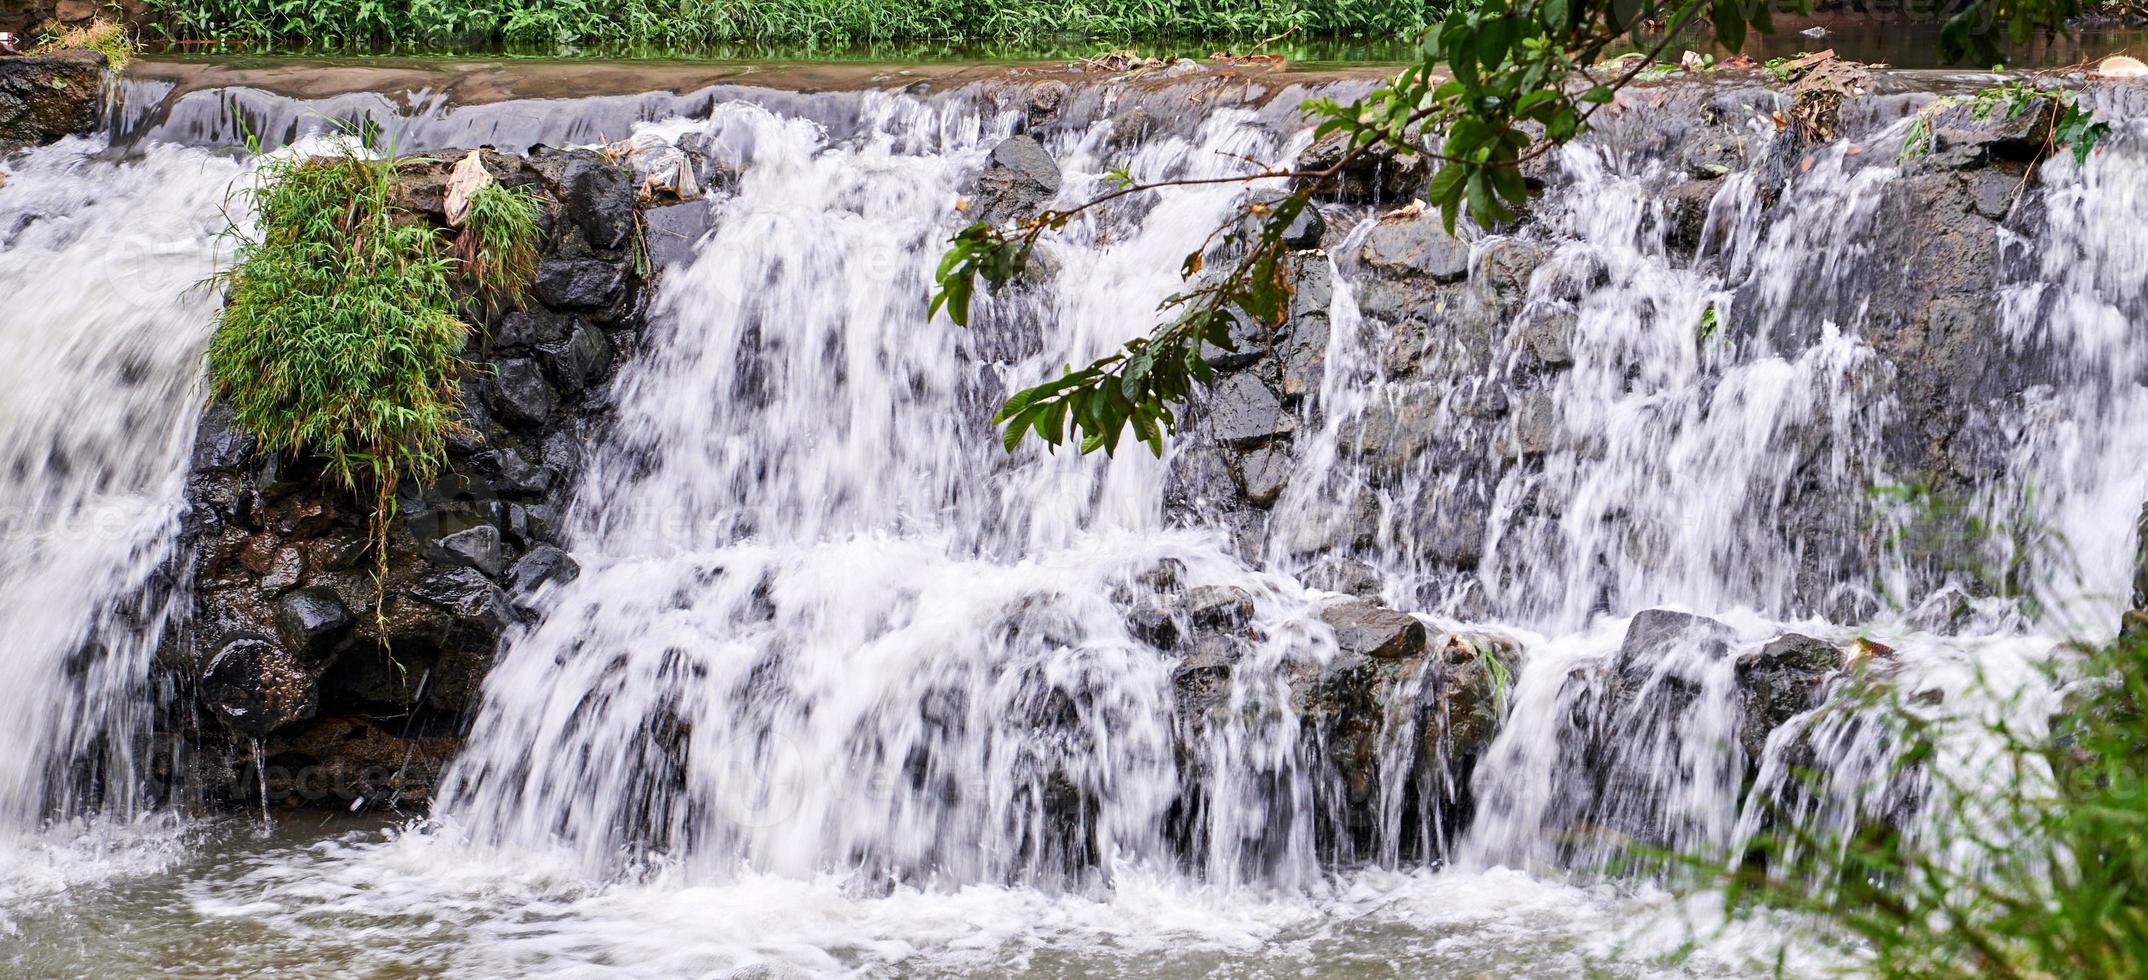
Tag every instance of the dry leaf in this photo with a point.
(468, 177)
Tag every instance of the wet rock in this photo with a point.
(1243, 408)
(1345, 575)
(467, 595)
(1153, 620)
(545, 564)
(1372, 630)
(1044, 101)
(477, 547)
(1418, 246)
(1535, 430)
(1219, 608)
(1547, 337)
(530, 328)
(1685, 212)
(1393, 432)
(674, 232)
(1263, 473)
(597, 195)
(582, 359)
(519, 393)
(1166, 577)
(1993, 192)
(1379, 177)
(1305, 230)
(311, 621)
(1656, 633)
(1019, 179)
(1202, 681)
(583, 284)
(1783, 679)
(1249, 343)
(219, 442)
(253, 687)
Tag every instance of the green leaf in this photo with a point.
(1729, 21)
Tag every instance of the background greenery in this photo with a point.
(789, 22)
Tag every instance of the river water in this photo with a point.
(889, 646)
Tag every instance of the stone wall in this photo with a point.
(355, 689)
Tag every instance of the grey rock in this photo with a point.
(1019, 178)
(1263, 473)
(544, 565)
(1371, 630)
(1345, 575)
(1153, 621)
(1547, 336)
(1780, 681)
(1242, 408)
(477, 547)
(674, 232)
(1418, 246)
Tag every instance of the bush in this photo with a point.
(340, 334)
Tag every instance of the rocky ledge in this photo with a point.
(356, 690)
(48, 96)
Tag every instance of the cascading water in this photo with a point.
(842, 686)
(103, 334)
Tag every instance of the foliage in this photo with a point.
(498, 246)
(1496, 84)
(340, 334)
(788, 22)
(105, 37)
(2043, 870)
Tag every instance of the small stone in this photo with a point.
(1020, 178)
(1376, 631)
(1418, 246)
(1219, 607)
(1152, 621)
(1345, 575)
(1263, 473)
(310, 620)
(477, 547)
(285, 570)
(544, 565)
(519, 393)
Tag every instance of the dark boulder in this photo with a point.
(580, 284)
(45, 97)
(254, 687)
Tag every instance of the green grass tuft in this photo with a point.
(498, 247)
(105, 37)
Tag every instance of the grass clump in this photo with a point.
(106, 37)
(498, 245)
(810, 23)
(341, 334)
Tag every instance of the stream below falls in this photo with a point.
(844, 689)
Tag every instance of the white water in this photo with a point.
(844, 688)
(98, 398)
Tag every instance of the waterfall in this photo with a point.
(1667, 476)
(104, 335)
